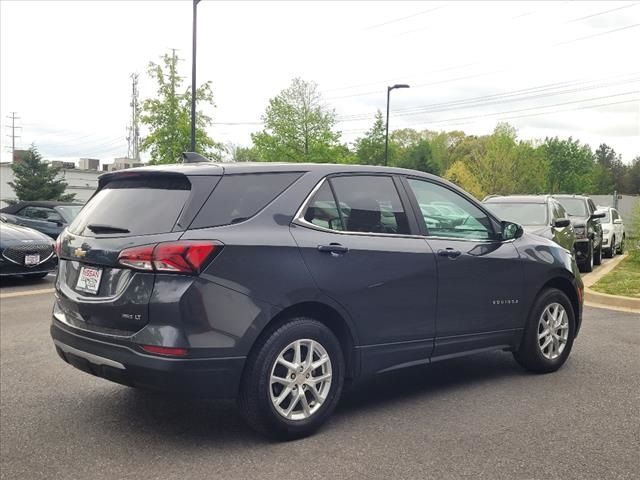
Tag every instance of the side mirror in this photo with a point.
(598, 215)
(510, 231)
(561, 222)
(618, 221)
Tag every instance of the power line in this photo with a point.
(601, 13)
(597, 34)
(404, 18)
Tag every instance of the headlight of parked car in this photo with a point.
(581, 232)
(606, 230)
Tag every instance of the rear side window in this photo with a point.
(368, 204)
(143, 206)
(239, 197)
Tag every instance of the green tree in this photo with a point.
(370, 147)
(531, 169)
(632, 182)
(459, 174)
(35, 179)
(570, 165)
(168, 116)
(298, 127)
(417, 156)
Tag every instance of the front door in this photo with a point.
(365, 256)
(480, 283)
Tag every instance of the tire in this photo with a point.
(258, 395)
(587, 265)
(35, 276)
(597, 257)
(621, 247)
(530, 355)
(611, 252)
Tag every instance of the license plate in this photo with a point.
(89, 279)
(32, 259)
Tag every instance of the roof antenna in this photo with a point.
(193, 157)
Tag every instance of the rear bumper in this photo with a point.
(210, 377)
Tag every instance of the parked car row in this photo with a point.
(27, 233)
(572, 221)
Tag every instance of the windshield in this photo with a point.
(69, 212)
(607, 217)
(575, 207)
(521, 213)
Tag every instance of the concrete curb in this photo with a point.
(614, 302)
(604, 300)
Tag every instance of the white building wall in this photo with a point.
(81, 182)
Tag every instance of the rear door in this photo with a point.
(130, 210)
(364, 252)
(480, 282)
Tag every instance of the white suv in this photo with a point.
(613, 235)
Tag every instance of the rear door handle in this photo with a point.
(333, 248)
(449, 252)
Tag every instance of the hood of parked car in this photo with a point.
(11, 234)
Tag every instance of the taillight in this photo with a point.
(169, 351)
(139, 258)
(189, 256)
(57, 245)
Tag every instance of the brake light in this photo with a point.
(139, 258)
(169, 351)
(189, 256)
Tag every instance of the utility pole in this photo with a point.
(13, 135)
(193, 75)
(133, 139)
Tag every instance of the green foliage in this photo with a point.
(35, 179)
(298, 128)
(570, 165)
(370, 148)
(168, 116)
(459, 174)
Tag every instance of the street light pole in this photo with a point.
(386, 136)
(193, 76)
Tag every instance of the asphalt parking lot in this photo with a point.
(480, 417)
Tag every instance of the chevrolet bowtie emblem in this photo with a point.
(80, 253)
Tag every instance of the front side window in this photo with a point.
(462, 219)
(362, 203)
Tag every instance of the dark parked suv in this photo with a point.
(584, 216)
(275, 283)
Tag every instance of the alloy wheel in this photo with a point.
(553, 331)
(300, 379)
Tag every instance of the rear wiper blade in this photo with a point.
(96, 228)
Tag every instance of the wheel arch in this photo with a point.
(566, 286)
(327, 315)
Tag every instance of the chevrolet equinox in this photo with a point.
(276, 283)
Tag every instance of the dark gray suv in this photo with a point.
(276, 283)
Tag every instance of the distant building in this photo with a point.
(89, 164)
(122, 163)
(63, 164)
(20, 155)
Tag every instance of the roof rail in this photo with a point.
(193, 157)
(490, 196)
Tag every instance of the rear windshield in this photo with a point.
(239, 197)
(142, 206)
(575, 207)
(522, 213)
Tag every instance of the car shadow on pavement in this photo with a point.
(7, 282)
(190, 422)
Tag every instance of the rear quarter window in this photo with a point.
(239, 197)
(143, 206)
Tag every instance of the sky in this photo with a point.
(567, 69)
